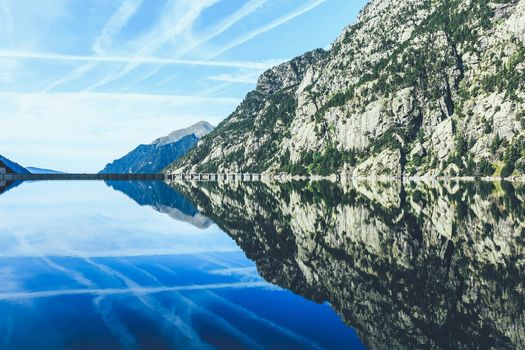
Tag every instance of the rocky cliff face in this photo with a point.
(416, 266)
(413, 88)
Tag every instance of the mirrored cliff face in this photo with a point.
(408, 266)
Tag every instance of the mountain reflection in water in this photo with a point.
(163, 199)
(409, 266)
(83, 266)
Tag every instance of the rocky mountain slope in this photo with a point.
(199, 129)
(10, 167)
(153, 158)
(415, 266)
(414, 87)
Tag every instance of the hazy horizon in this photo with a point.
(81, 84)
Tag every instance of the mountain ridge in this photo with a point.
(154, 157)
(198, 129)
(413, 88)
(9, 166)
(35, 170)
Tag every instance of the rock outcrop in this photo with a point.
(442, 82)
(199, 129)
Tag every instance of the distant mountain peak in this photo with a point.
(36, 170)
(8, 166)
(151, 159)
(199, 129)
(154, 157)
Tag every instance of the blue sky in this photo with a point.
(83, 82)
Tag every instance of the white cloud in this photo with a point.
(8, 70)
(249, 78)
(104, 41)
(135, 290)
(210, 34)
(134, 60)
(78, 132)
(225, 24)
(116, 97)
(168, 28)
(116, 23)
(274, 24)
(229, 80)
(83, 131)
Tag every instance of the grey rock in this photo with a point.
(400, 71)
(153, 158)
(199, 129)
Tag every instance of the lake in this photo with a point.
(299, 265)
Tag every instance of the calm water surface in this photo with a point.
(129, 265)
(146, 265)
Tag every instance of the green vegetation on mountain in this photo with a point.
(412, 88)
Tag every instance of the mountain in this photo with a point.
(413, 88)
(199, 129)
(7, 166)
(407, 265)
(152, 158)
(34, 170)
(162, 198)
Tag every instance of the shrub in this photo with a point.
(485, 168)
(511, 157)
(520, 166)
(487, 128)
(462, 146)
(416, 160)
(507, 170)
(494, 146)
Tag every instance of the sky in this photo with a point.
(83, 82)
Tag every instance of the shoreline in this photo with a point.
(252, 177)
(246, 177)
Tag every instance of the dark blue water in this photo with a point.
(94, 265)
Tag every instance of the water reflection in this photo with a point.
(8, 185)
(163, 199)
(409, 266)
(84, 267)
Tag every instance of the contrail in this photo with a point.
(15, 296)
(132, 60)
